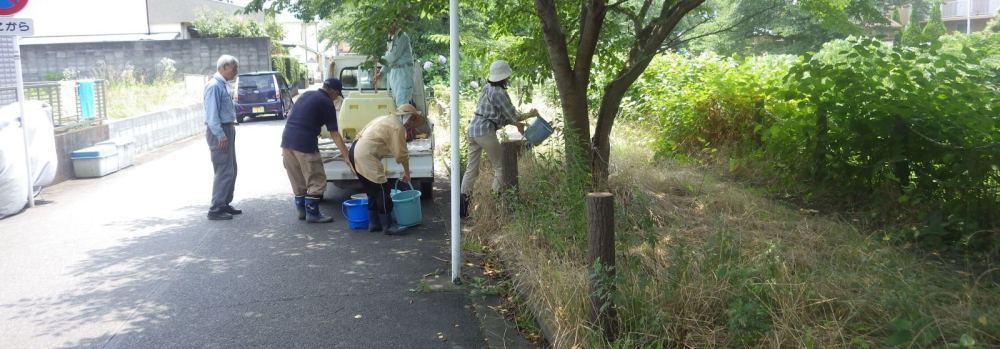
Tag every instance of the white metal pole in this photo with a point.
(968, 18)
(24, 120)
(456, 167)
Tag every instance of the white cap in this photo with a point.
(499, 70)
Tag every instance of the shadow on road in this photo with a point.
(262, 279)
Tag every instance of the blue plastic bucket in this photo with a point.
(406, 206)
(538, 130)
(356, 212)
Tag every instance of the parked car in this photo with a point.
(262, 93)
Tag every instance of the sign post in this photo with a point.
(18, 27)
(9, 7)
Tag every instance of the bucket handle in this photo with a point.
(396, 185)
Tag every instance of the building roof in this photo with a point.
(39, 40)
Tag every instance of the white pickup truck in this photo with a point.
(363, 103)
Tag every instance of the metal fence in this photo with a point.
(67, 104)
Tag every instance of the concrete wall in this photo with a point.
(150, 131)
(157, 129)
(98, 59)
(68, 142)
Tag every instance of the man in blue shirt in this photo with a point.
(220, 114)
(300, 148)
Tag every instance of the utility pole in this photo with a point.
(149, 29)
(968, 18)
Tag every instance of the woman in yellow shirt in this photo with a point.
(386, 135)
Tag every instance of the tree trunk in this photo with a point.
(573, 93)
(509, 151)
(601, 249)
(611, 102)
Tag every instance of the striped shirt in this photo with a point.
(493, 111)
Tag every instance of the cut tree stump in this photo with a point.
(601, 248)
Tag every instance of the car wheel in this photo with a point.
(427, 189)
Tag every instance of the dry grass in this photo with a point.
(706, 263)
(134, 99)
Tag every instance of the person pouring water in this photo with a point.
(494, 110)
(386, 135)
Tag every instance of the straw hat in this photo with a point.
(406, 109)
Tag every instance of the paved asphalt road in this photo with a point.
(130, 261)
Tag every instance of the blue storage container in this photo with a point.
(96, 161)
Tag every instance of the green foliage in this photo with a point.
(921, 30)
(562, 202)
(699, 104)
(994, 24)
(935, 26)
(53, 76)
(913, 35)
(911, 131)
(747, 27)
(982, 46)
(916, 127)
(166, 70)
(365, 24)
(217, 24)
(290, 68)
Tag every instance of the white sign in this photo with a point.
(16, 26)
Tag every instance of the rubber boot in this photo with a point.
(312, 211)
(389, 225)
(300, 205)
(374, 223)
(463, 206)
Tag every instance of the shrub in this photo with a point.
(910, 131)
(913, 128)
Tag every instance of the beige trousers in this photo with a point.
(305, 172)
(477, 145)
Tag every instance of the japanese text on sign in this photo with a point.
(16, 27)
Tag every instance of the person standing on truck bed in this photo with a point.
(398, 63)
(381, 137)
(494, 110)
(220, 114)
(300, 148)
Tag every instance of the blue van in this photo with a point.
(262, 93)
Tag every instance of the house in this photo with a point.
(74, 21)
(962, 15)
(305, 43)
(958, 14)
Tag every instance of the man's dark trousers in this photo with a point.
(224, 162)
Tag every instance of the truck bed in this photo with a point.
(416, 147)
(421, 161)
